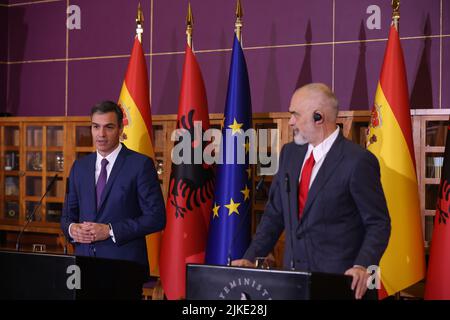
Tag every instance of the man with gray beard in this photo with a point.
(327, 194)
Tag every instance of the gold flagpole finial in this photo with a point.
(395, 12)
(238, 24)
(189, 25)
(139, 23)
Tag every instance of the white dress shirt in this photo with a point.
(320, 152)
(111, 159)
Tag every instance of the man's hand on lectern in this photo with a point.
(242, 263)
(359, 283)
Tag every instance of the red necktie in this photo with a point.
(303, 186)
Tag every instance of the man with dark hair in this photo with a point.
(108, 106)
(114, 198)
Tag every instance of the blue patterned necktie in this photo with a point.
(101, 182)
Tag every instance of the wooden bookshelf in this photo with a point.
(34, 149)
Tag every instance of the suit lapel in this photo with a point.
(332, 159)
(113, 175)
(89, 184)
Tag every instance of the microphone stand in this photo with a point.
(241, 223)
(291, 243)
(260, 183)
(31, 216)
(238, 231)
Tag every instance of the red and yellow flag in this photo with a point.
(189, 199)
(135, 103)
(438, 277)
(390, 140)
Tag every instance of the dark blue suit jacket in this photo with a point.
(131, 201)
(345, 220)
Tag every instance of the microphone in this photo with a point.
(291, 243)
(260, 183)
(287, 186)
(238, 231)
(30, 216)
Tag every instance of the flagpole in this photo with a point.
(189, 26)
(139, 23)
(238, 23)
(395, 13)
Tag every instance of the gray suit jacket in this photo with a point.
(345, 220)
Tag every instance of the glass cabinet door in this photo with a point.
(434, 149)
(32, 151)
(55, 161)
(11, 210)
(55, 136)
(83, 141)
(44, 158)
(55, 154)
(10, 177)
(34, 136)
(33, 186)
(12, 160)
(11, 193)
(83, 137)
(32, 211)
(53, 212)
(11, 136)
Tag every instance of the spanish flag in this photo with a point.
(138, 131)
(390, 140)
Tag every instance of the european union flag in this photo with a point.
(229, 229)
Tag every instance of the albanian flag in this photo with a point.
(190, 187)
(438, 277)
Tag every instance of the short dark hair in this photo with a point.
(106, 107)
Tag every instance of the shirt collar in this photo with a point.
(321, 150)
(110, 157)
